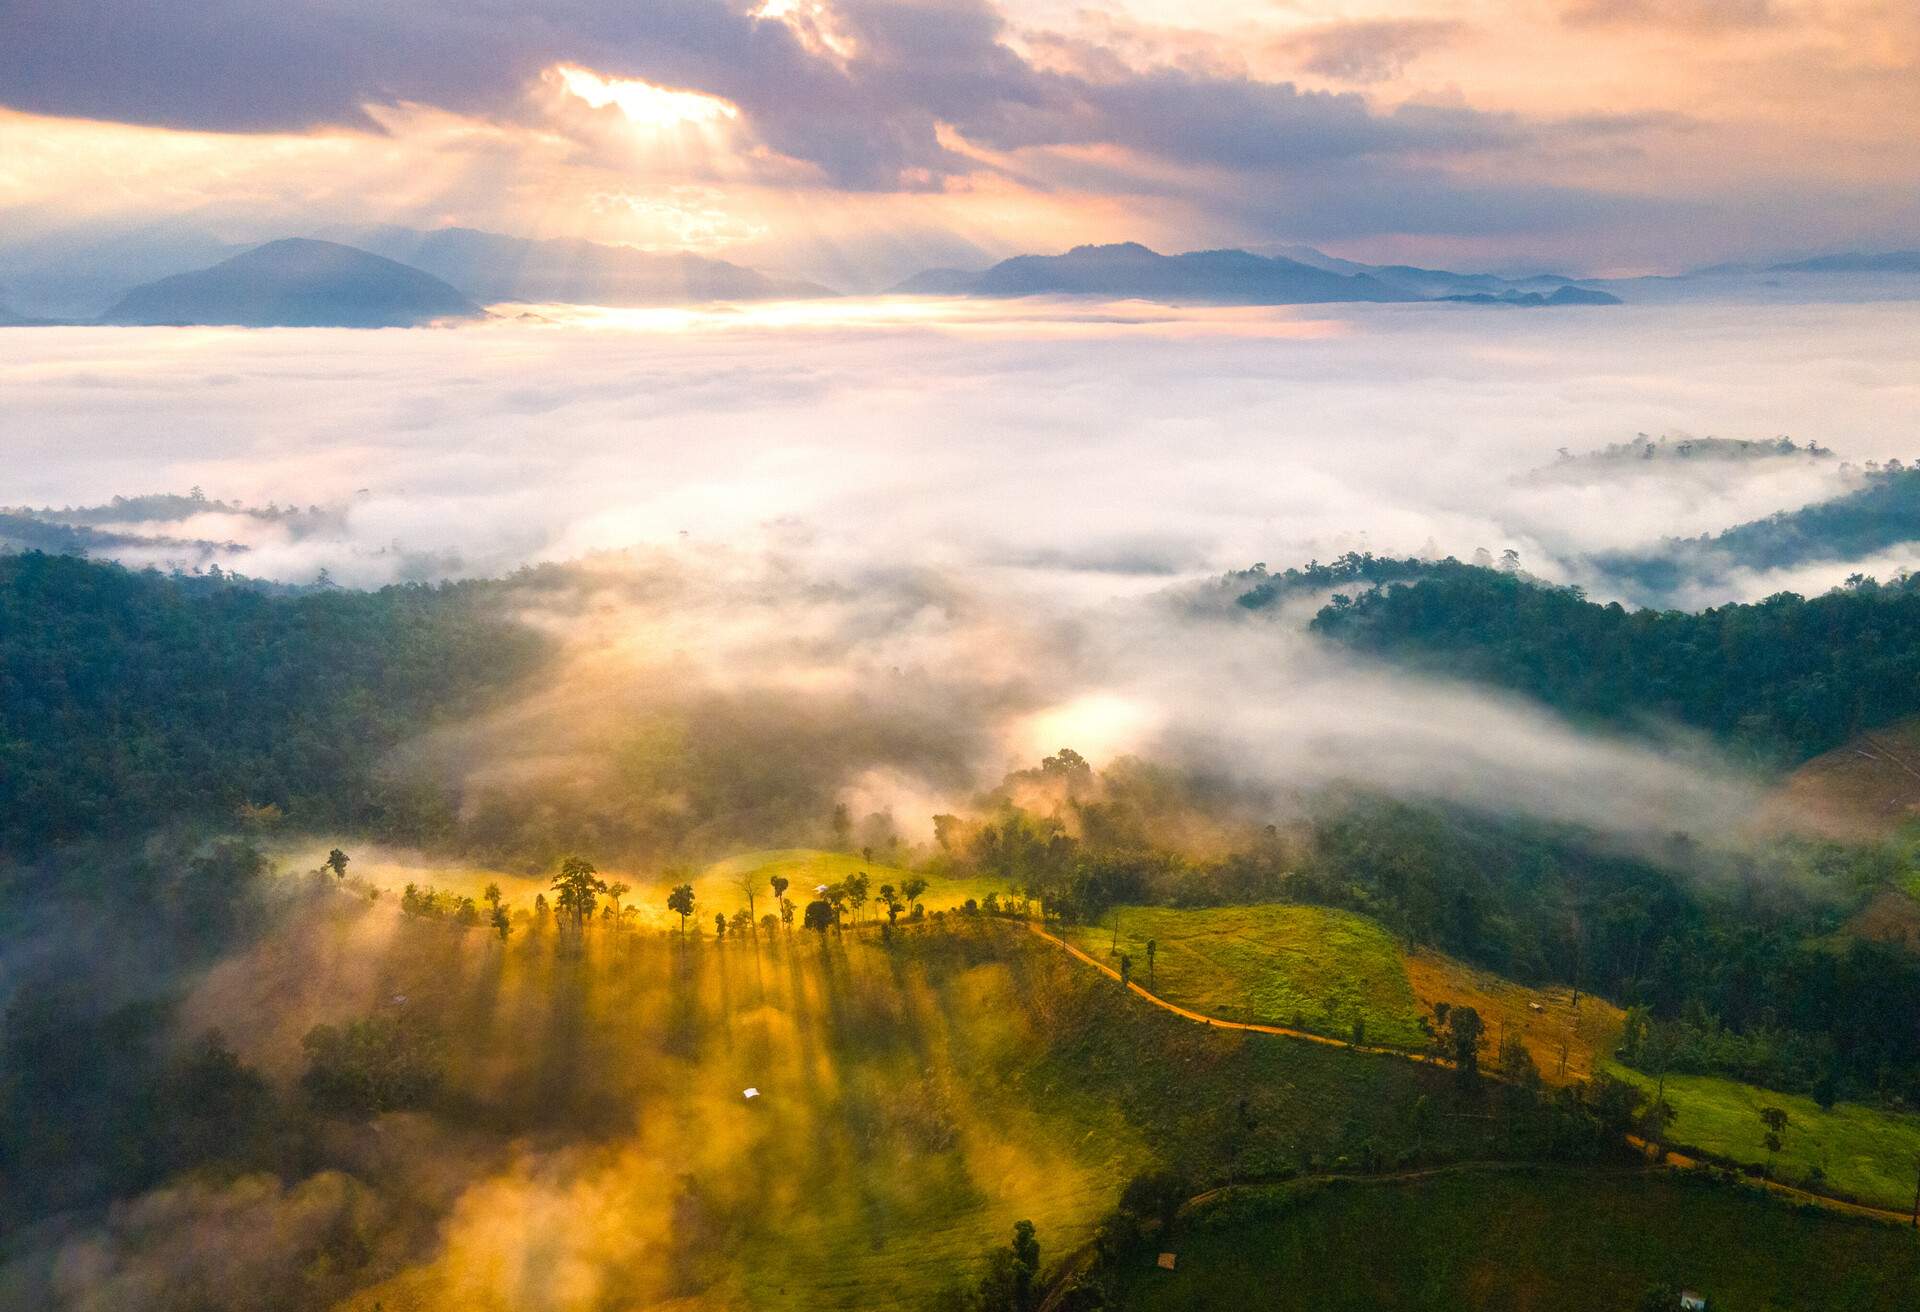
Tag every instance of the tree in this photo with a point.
(911, 888)
(741, 922)
(680, 900)
(891, 901)
(540, 909)
(1467, 1035)
(819, 915)
(779, 883)
(577, 887)
(372, 1065)
(1026, 1261)
(1152, 947)
(856, 886)
(1654, 1122)
(720, 925)
(1775, 1119)
(491, 896)
(337, 862)
(747, 885)
(842, 823)
(1007, 1284)
(1126, 969)
(614, 893)
(786, 912)
(502, 924)
(1422, 1118)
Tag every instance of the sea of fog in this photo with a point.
(954, 526)
(1093, 447)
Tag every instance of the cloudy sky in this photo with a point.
(859, 138)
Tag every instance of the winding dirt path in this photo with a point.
(1201, 1018)
(1672, 1161)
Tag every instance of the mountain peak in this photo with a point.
(296, 282)
(1132, 248)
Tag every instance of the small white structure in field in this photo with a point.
(1692, 1302)
(1166, 1261)
(751, 1094)
(1534, 1006)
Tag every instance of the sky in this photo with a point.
(860, 140)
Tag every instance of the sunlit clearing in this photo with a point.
(643, 103)
(1100, 725)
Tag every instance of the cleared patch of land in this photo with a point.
(1306, 967)
(1865, 788)
(1863, 1152)
(1568, 1241)
(1891, 916)
(1566, 1042)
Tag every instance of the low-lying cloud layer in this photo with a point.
(887, 560)
(1096, 446)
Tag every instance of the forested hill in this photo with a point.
(1788, 677)
(129, 700)
(1882, 513)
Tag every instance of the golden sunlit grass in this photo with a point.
(1321, 969)
(808, 868)
(1545, 1020)
(716, 888)
(916, 1095)
(883, 1154)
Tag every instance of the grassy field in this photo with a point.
(1864, 1152)
(1555, 1242)
(1567, 1043)
(1310, 967)
(916, 1096)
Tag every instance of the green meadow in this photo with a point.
(1310, 967)
(1572, 1241)
(1862, 1152)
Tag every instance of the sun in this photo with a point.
(645, 104)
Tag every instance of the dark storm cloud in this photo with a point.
(868, 122)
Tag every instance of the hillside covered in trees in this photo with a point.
(130, 700)
(1785, 678)
(1882, 513)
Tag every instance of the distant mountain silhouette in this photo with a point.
(1132, 270)
(1855, 262)
(12, 318)
(296, 283)
(1239, 278)
(1567, 295)
(491, 267)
